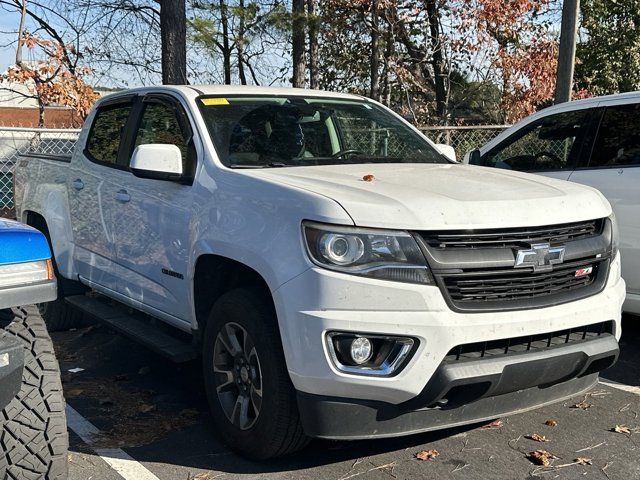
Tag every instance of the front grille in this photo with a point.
(511, 346)
(513, 237)
(509, 284)
(475, 269)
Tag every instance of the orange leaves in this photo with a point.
(55, 80)
(541, 457)
(426, 455)
(493, 425)
(519, 48)
(536, 437)
(621, 429)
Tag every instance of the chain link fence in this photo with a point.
(463, 139)
(18, 141)
(15, 142)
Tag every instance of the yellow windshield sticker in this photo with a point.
(215, 101)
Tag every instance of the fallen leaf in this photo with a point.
(582, 405)
(144, 371)
(492, 425)
(74, 392)
(146, 408)
(621, 429)
(583, 461)
(541, 457)
(551, 423)
(368, 178)
(189, 412)
(425, 455)
(536, 437)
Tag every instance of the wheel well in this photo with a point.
(38, 222)
(216, 275)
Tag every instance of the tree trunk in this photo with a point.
(312, 12)
(437, 61)
(226, 49)
(173, 34)
(374, 92)
(240, 43)
(386, 87)
(297, 39)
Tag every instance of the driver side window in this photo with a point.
(548, 144)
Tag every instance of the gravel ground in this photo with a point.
(156, 412)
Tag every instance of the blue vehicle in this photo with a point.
(30, 387)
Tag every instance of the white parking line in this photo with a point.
(117, 459)
(620, 386)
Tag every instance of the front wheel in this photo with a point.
(252, 400)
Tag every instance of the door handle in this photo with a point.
(78, 184)
(123, 196)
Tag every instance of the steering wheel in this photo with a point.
(347, 151)
(557, 161)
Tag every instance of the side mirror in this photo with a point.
(447, 150)
(157, 161)
(472, 157)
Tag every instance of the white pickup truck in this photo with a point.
(340, 277)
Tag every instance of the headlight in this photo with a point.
(18, 274)
(615, 234)
(383, 254)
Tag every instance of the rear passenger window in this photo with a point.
(547, 144)
(106, 133)
(618, 140)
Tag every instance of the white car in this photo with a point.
(340, 277)
(594, 142)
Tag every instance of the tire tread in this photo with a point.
(33, 431)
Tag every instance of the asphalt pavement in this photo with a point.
(148, 419)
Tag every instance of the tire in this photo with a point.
(59, 315)
(276, 430)
(33, 428)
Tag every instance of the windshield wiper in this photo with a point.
(267, 165)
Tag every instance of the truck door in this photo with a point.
(152, 225)
(549, 146)
(91, 190)
(614, 169)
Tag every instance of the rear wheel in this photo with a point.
(33, 428)
(252, 400)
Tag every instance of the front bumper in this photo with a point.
(319, 301)
(11, 365)
(28, 294)
(348, 419)
(466, 392)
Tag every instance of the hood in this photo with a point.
(444, 197)
(20, 243)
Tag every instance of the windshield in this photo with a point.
(261, 132)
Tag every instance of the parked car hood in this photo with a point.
(20, 243)
(428, 196)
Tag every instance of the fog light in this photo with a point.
(378, 355)
(361, 350)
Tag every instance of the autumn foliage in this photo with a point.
(522, 53)
(54, 81)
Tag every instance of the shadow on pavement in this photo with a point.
(157, 410)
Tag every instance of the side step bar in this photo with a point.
(135, 326)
